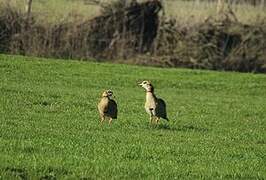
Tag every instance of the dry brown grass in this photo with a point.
(54, 11)
(187, 12)
(192, 12)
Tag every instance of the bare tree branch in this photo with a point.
(28, 8)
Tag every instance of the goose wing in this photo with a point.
(112, 109)
(161, 109)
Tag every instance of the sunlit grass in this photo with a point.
(50, 125)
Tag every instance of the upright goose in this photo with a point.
(154, 106)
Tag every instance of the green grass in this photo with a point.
(50, 126)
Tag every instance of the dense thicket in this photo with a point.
(135, 33)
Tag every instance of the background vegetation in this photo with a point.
(187, 33)
(50, 127)
(186, 11)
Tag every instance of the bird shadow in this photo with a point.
(192, 128)
(184, 128)
(18, 172)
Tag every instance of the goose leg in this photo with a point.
(157, 120)
(110, 121)
(102, 119)
(151, 119)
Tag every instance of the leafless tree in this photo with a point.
(220, 6)
(28, 8)
(28, 11)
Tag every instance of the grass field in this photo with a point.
(187, 12)
(50, 127)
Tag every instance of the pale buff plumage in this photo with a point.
(154, 106)
(107, 107)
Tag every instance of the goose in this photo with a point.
(154, 106)
(107, 107)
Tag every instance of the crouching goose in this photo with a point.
(107, 107)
